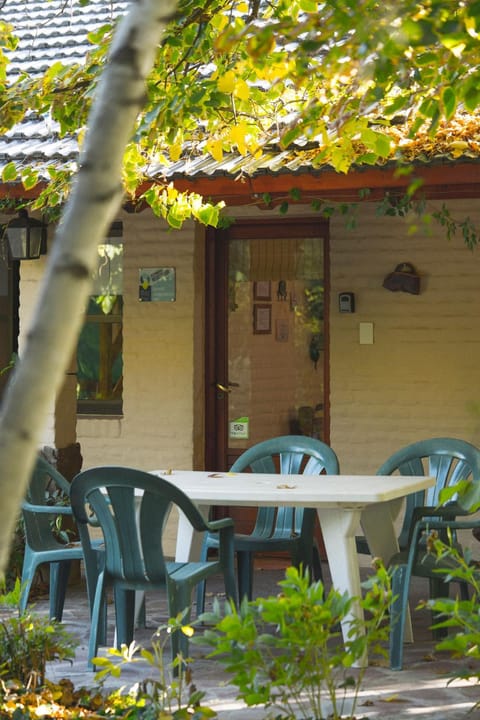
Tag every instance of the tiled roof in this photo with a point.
(48, 31)
(51, 30)
(56, 30)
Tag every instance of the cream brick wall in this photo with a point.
(420, 377)
(157, 427)
(31, 273)
(156, 430)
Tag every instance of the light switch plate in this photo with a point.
(366, 333)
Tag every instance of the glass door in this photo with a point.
(271, 345)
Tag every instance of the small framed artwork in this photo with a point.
(262, 290)
(262, 319)
(156, 284)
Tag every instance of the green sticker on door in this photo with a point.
(239, 428)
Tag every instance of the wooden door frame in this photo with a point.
(216, 319)
(216, 264)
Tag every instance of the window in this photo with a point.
(99, 349)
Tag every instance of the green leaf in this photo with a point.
(208, 215)
(472, 98)
(9, 172)
(174, 219)
(29, 179)
(309, 6)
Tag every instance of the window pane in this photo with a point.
(99, 359)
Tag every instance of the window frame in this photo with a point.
(105, 407)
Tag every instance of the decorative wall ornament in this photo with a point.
(404, 279)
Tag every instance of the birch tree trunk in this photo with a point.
(95, 198)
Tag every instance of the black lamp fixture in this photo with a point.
(27, 237)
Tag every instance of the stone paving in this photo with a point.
(421, 690)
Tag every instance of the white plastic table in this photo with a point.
(343, 502)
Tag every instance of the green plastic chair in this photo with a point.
(40, 508)
(282, 529)
(449, 460)
(131, 508)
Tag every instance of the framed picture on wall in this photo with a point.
(262, 290)
(262, 319)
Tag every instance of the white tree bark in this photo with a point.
(95, 198)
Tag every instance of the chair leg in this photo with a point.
(201, 587)
(303, 558)
(98, 610)
(230, 584)
(464, 590)
(141, 613)
(245, 575)
(438, 589)
(59, 574)
(398, 609)
(317, 572)
(28, 573)
(124, 615)
(179, 599)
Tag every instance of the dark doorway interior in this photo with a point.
(9, 322)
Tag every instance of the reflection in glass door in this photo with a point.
(276, 334)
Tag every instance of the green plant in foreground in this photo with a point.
(460, 617)
(287, 651)
(28, 641)
(171, 694)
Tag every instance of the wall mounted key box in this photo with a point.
(346, 302)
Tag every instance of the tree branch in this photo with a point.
(95, 198)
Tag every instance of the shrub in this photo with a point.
(170, 693)
(28, 641)
(460, 617)
(287, 651)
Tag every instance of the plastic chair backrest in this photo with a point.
(287, 454)
(447, 459)
(132, 522)
(46, 488)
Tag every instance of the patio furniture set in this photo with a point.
(290, 480)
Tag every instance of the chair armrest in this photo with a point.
(420, 513)
(47, 509)
(424, 525)
(450, 510)
(215, 525)
(448, 524)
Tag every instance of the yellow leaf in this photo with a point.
(242, 90)
(175, 151)
(393, 699)
(187, 630)
(226, 83)
(215, 148)
(237, 136)
(172, 193)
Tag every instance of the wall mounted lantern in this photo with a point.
(27, 237)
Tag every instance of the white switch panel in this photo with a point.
(366, 333)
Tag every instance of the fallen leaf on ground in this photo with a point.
(393, 699)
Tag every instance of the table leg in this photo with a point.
(338, 527)
(382, 539)
(189, 542)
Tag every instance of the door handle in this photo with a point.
(226, 388)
